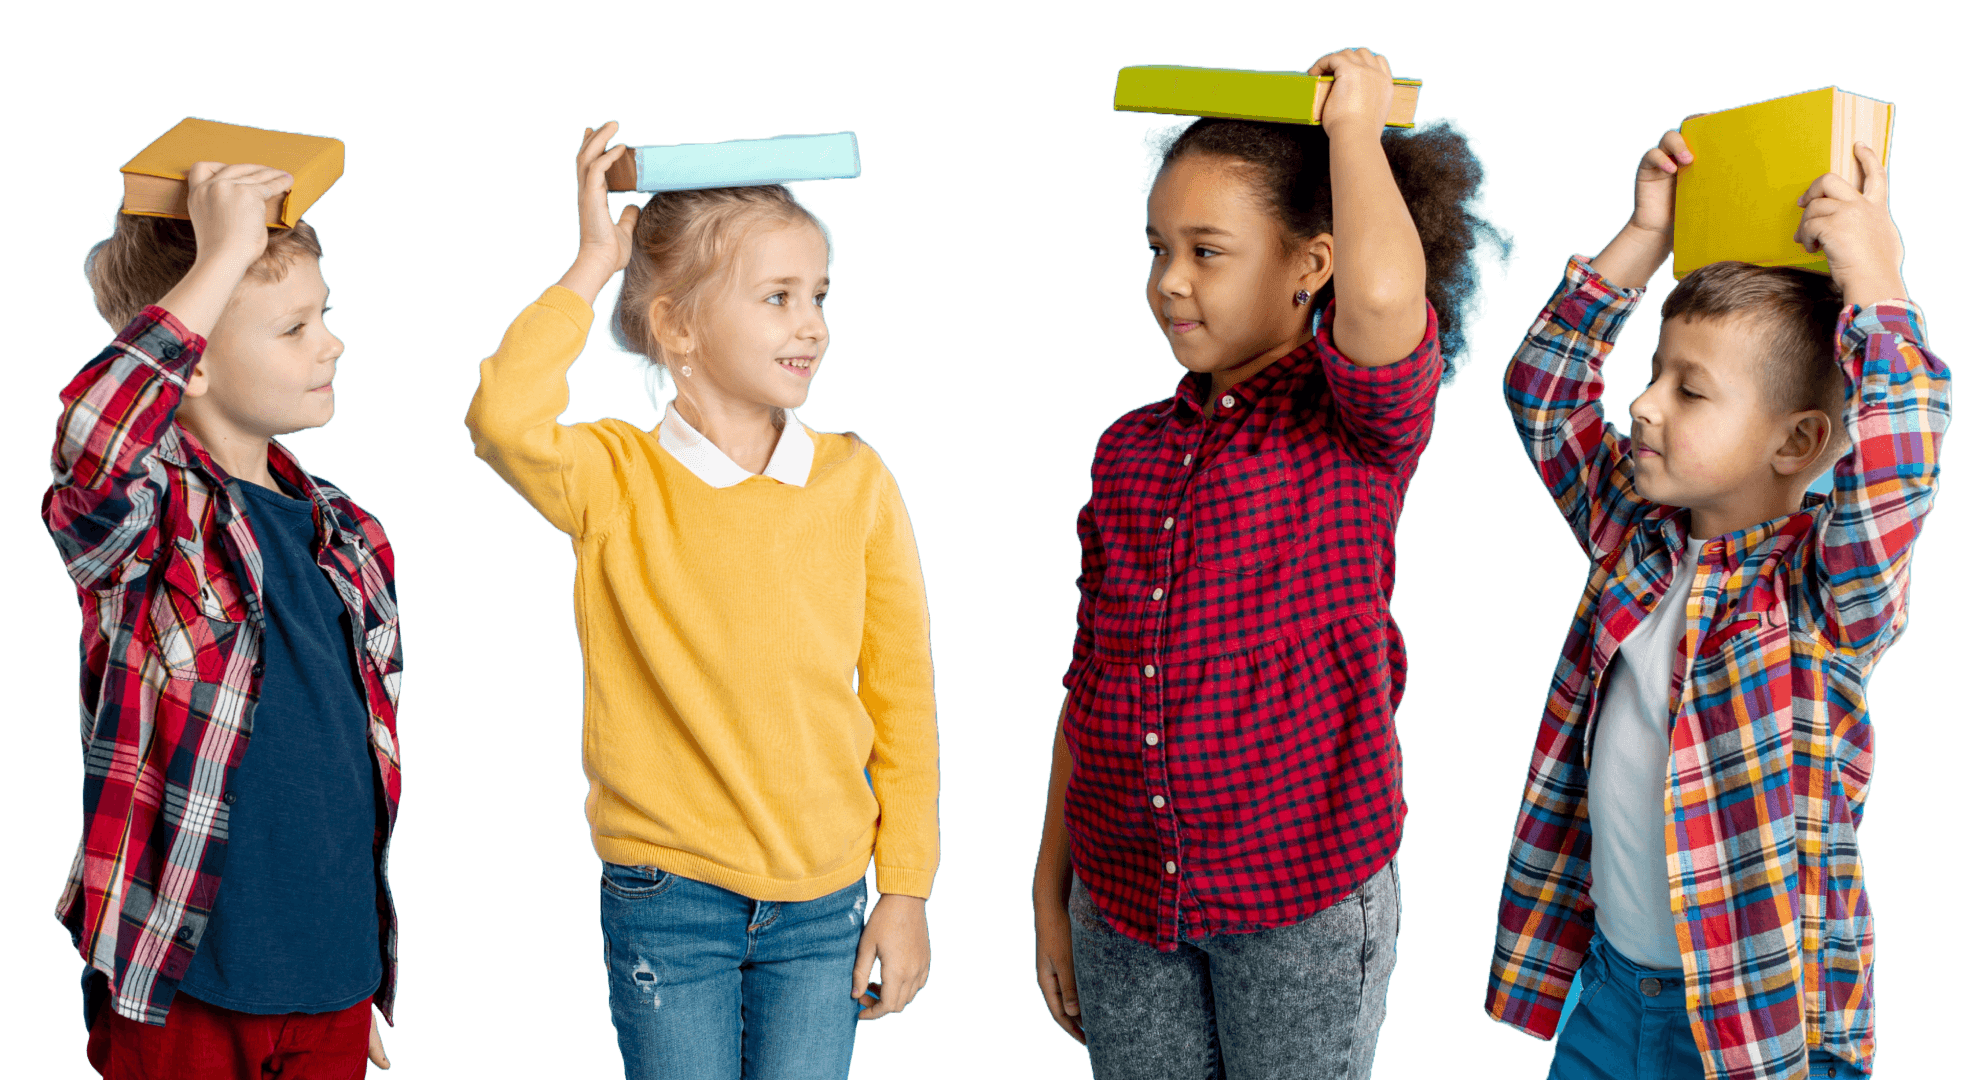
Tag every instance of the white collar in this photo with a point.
(790, 462)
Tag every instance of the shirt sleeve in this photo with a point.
(897, 688)
(1092, 571)
(565, 471)
(102, 508)
(1385, 411)
(1554, 389)
(1899, 409)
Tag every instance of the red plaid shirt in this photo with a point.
(1234, 760)
(169, 577)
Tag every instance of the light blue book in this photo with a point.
(736, 163)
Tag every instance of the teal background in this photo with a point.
(988, 321)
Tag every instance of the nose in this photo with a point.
(1172, 279)
(812, 328)
(1643, 410)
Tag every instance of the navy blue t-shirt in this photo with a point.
(295, 925)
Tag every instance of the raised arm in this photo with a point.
(1899, 406)
(1554, 383)
(103, 503)
(562, 471)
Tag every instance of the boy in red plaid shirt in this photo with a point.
(1688, 839)
(240, 662)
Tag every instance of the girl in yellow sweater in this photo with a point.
(759, 716)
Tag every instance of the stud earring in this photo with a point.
(1301, 297)
(686, 371)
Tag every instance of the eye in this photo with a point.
(1204, 252)
(1157, 249)
(293, 331)
(818, 300)
(776, 298)
(1688, 392)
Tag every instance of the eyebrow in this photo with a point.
(306, 308)
(823, 282)
(1197, 230)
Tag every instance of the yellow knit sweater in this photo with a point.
(752, 654)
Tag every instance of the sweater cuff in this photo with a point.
(900, 879)
(568, 303)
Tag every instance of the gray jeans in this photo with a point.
(1298, 1001)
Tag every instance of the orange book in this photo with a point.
(155, 180)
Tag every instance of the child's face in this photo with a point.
(1221, 284)
(269, 360)
(1705, 433)
(762, 334)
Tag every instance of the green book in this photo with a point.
(1284, 97)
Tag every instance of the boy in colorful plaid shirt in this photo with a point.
(240, 662)
(1688, 838)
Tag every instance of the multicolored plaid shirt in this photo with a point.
(1770, 737)
(1234, 761)
(169, 577)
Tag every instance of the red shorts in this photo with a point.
(212, 1043)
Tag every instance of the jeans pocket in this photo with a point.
(635, 882)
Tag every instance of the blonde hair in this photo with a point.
(684, 243)
(145, 256)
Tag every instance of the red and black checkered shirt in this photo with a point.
(1234, 761)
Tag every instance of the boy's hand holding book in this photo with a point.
(228, 205)
(1645, 240)
(1854, 231)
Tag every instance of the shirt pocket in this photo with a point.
(196, 616)
(1248, 515)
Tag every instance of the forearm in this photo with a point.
(199, 297)
(1378, 256)
(1634, 255)
(1052, 881)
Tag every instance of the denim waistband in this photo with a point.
(1655, 988)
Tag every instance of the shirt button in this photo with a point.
(1229, 401)
(1651, 987)
(228, 798)
(170, 352)
(185, 932)
(1158, 594)
(1160, 802)
(1169, 867)
(259, 667)
(1149, 671)
(1168, 523)
(1187, 458)
(1151, 738)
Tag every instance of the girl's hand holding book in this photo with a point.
(604, 245)
(1363, 88)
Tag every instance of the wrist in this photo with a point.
(1873, 290)
(587, 277)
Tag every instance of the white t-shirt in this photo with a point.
(1628, 772)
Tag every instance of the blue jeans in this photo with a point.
(712, 985)
(1630, 1024)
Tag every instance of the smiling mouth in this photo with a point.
(1183, 326)
(798, 365)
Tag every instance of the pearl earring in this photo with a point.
(686, 371)
(1301, 297)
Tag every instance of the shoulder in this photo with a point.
(845, 455)
(1135, 426)
(355, 518)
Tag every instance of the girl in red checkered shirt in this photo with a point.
(1216, 886)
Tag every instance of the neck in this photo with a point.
(746, 431)
(1224, 378)
(1742, 512)
(239, 454)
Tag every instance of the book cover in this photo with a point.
(1737, 199)
(1284, 97)
(782, 159)
(155, 180)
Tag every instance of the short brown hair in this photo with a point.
(682, 244)
(145, 256)
(1796, 308)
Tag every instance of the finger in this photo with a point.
(1656, 159)
(628, 221)
(1673, 146)
(377, 1048)
(274, 184)
(869, 949)
(601, 138)
(1829, 186)
(875, 995)
(201, 172)
(1876, 183)
(1330, 63)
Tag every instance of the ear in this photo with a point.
(673, 339)
(1807, 437)
(1317, 263)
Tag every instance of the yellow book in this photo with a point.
(1283, 97)
(155, 180)
(1737, 198)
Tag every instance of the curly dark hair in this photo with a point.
(1435, 170)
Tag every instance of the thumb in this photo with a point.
(863, 964)
(1068, 988)
(377, 1050)
(1875, 183)
(628, 218)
